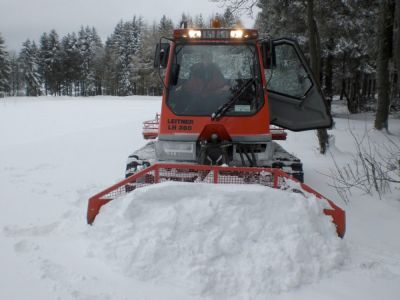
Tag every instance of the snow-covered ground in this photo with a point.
(177, 241)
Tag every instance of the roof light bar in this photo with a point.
(194, 34)
(215, 34)
(236, 34)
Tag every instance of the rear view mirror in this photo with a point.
(161, 55)
(268, 54)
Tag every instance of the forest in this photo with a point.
(353, 47)
(81, 64)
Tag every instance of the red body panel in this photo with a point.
(151, 129)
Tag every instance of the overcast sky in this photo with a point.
(22, 19)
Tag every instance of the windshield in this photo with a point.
(209, 76)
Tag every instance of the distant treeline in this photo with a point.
(353, 38)
(80, 64)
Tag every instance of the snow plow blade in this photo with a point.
(274, 178)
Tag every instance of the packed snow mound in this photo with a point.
(218, 241)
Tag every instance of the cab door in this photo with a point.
(295, 100)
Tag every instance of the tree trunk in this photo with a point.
(312, 40)
(315, 59)
(329, 70)
(385, 34)
(396, 42)
(353, 103)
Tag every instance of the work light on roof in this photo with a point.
(194, 34)
(236, 34)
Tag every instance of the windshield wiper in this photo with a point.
(221, 111)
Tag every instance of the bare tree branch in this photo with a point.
(238, 6)
(374, 168)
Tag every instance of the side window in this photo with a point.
(289, 77)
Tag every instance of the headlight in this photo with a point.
(180, 151)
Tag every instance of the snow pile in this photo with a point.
(239, 242)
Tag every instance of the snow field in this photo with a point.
(57, 152)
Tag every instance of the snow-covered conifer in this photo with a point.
(71, 62)
(5, 68)
(199, 21)
(165, 27)
(29, 65)
(123, 47)
(50, 62)
(89, 45)
(228, 18)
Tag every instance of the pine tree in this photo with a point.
(186, 19)
(5, 68)
(228, 19)
(44, 66)
(199, 21)
(56, 65)
(15, 78)
(29, 65)
(71, 63)
(283, 18)
(148, 78)
(165, 27)
(110, 69)
(346, 28)
(90, 48)
(123, 47)
(137, 65)
(50, 62)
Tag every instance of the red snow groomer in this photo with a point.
(227, 95)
